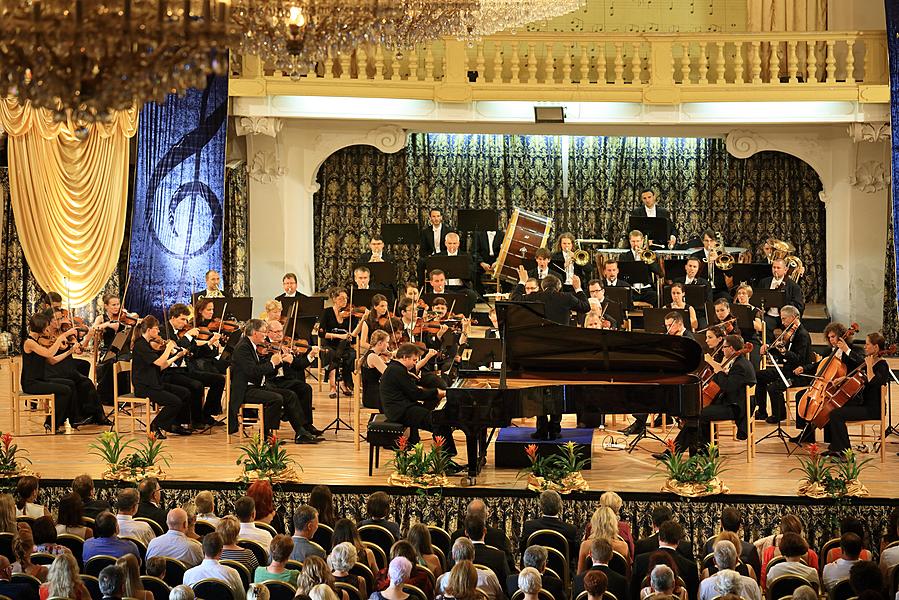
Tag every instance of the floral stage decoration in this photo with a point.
(13, 458)
(143, 462)
(831, 477)
(560, 472)
(415, 466)
(693, 476)
(267, 459)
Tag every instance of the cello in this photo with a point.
(829, 369)
(712, 390)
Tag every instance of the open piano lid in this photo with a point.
(533, 343)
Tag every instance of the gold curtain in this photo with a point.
(68, 195)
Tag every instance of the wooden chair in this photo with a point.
(128, 406)
(790, 398)
(879, 426)
(715, 427)
(45, 404)
(281, 590)
(244, 421)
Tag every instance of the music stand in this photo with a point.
(382, 273)
(767, 298)
(119, 342)
(311, 305)
(635, 272)
(654, 319)
(459, 303)
(400, 233)
(455, 267)
(364, 297)
(484, 352)
(477, 219)
(615, 310)
(239, 308)
(655, 229)
(745, 316)
(675, 268)
(751, 273)
(622, 295)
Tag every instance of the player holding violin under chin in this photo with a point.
(39, 350)
(378, 318)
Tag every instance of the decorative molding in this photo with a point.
(265, 167)
(869, 132)
(387, 138)
(870, 177)
(269, 126)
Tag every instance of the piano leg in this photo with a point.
(476, 447)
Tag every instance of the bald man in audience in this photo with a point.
(494, 537)
(175, 543)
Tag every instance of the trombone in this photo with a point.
(581, 257)
(646, 253)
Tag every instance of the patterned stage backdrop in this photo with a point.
(176, 227)
(892, 12)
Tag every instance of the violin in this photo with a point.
(157, 343)
(780, 343)
(423, 326)
(357, 312)
(204, 334)
(125, 319)
(66, 323)
(227, 326)
(300, 346)
(829, 369)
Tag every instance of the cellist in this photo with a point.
(840, 350)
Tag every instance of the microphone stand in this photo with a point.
(779, 432)
(645, 432)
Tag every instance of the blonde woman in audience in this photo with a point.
(191, 509)
(462, 582)
(205, 503)
(279, 549)
(63, 580)
(133, 586)
(530, 582)
(7, 514)
(341, 560)
(229, 529)
(420, 538)
(182, 592)
(322, 592)
(603, 525)
(316, 571)
(22, 549)
(398, 571)
(614, 501)
(27, 490)
(257, 591)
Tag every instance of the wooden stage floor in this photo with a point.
(335, 462)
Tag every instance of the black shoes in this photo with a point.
(742, 435)
(772, 420)
(453, 467)
(179, 430)
(634, 428)
(160, 435)
(213, 422)
(553, 435)
(538, 435)
(314, 430)
(662, 455)
(304, 437)
(802, 439)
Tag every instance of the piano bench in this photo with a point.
(382, 433)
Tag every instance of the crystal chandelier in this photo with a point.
(92, 57)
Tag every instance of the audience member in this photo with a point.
(319, 592)
(603, 525)
(662, 584)
(865, 576)
(805, 592)
(262, 494)
(600, 555)
(126, 507)
(62, 580)
(530, 583)
(613, 501)
(740, 567)
(182, 592)
(156, 567)
(420, 537)
(345, 531)
(321, 499)
(245, 510)
(660, 514)
(851, 548)
(44, 533)
(280, 549)
(535, 557)
(788, 524)
(378, 508)
(398, 573)
(257, 591)
(892, 532)
(341, 561)
(662, 558)
(316, 571)
(794, 549)
(463, 550)
(83, 485)
(670, 535)
(24, 591)
(732, 520)
(210, 568)
(70, 517)
(550, 504)
(106, 539)
(190, 508)
(133, 586)
(849, 524)
(495, 537)
(421, 577)
(150, 506)
(492, 558)
(205, 502)
(22, 549)
(112, 582)
(229, 529)
(305, 524)
(729, 582)
(595, 583)
(27, 490)
(174, 543)
(725, 556)
(7, 514)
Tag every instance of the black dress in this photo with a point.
(342, 352)
(174, 399)
(34, 380)
(371, 382)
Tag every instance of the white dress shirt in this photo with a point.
(249, 531)
(775, 284)
(835, 571)
(209, 518)
(456, 282)
(650, 212)
(175, 544)
(569, 267)
(211, 569)
(491, 235)
(138, 530)
(436, 231)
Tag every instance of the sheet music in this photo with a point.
(666, 16)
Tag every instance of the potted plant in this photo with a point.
(142, 463)
(417, 466)
(12, 457)
(825, 476)
(559, 472)
(693, 476)
(267, 459)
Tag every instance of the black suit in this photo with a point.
(553, 524)
(646, 294)
(93, 507)
(617, 583)
(496, 538)
(720, 289)
(661, 213)
(651, 544)
(404, 402)
(792, 296)
(686, 569)
(426, 243)
(481, 247)
(18, 591)
(493, 558)
(798, 352)
(551, 584)
(748, 554)
(151, 511)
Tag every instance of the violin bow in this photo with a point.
(390, 321)
(124, 295)
(293, 328)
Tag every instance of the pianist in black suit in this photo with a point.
(375, 252)
(645, 292)
(651, 208)
(558, 306)
(404, 402)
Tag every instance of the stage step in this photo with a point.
(511, 443)
(815, 318)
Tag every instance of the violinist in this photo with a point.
(206, 354)
(411, 291)
(291, 375)
(593, 321)
(679, 302)
(839, 342)
(597, 291)
(378, 318)
(793, 349)
(691, 276)
(337, 325)
(407, 321)
(183, 374)
(150, 359)
(110, 322)
(780, 281)
(272, 311)
(213, 279)
(725, 318)
(742, 294)
(714, 338)
(865, 405)
(373, 364)
(733, 376)
(434, 342)
(38, 351)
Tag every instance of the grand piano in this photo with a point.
(550, 368)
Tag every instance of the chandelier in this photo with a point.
(294, 35)
(88, 58)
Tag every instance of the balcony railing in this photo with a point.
(648, 67)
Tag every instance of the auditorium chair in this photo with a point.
(415, 593)
(607, 595)
(440, 555)
(549, 538)
(365, 573)
(141, 548)
(322, 537)
(351, 590)
(558, 563)
(382, 434)
(785, 585)
(377, 535)
(715, 427)
(825, 550)
(156, 586)
(174, 571)
(75, 545)
(33, 402)
(266, 527)
(6, 540)
(204, 527)
(619, 564)
(92, 584)
(30, 580)
(246, 578)
(380, 555)
(258, 550)
(43, 558)
(156, 527)
(281, 590)
(441, 538)
(95, 564)
(212, 588)
(842, 590)
(128, 406)
(542, 595)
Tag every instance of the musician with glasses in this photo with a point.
(780, 281)
(794, 348)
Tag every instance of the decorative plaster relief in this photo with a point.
(266, 168)
(269, 126)
(870, 177)
(869, 132)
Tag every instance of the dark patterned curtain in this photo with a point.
(361, 189)
(236, 234)
(890, 312)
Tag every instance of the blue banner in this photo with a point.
(892, 11)
(176, 224)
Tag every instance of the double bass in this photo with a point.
(829, 369)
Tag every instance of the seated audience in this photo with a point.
(535, 557)
(27, 490)
(126, 508)
(44, 533)
(729, 582)
(550, 504)
(190, 508)
(280, 550)
(174, 543)
(463, 550)
(662, 584)
(725, 556)
(205, 503)
(660, 514)
(595, 584)
(656, 559)
(211, 569)
(341, 561)
(849, 524)
(805, 592)
(83, 485)
(865, 576)
(22, 549)
(112, 582)
(7, 514)
(262, 494)
(794, 549)
(345, 531)
(305, 524)
(420, 537)
(182, 592)
(670, 535)
(741, 567)
(133, 586)
(419, 577)
(62, 580)
(851, 548)
(732, 520)
(156, 567)
(530, 582)
(106, 539)
(70, 517)
(613, 501)
(492, 558)
(603, 525)
(398, 572)
(316, 571)
(601, 554)
(495, 537)
(245, 510)
(769, 547)
(257, 591)
(378, 508)
(892, 532)
(229, 529)
(150, 506)
(321, 499)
